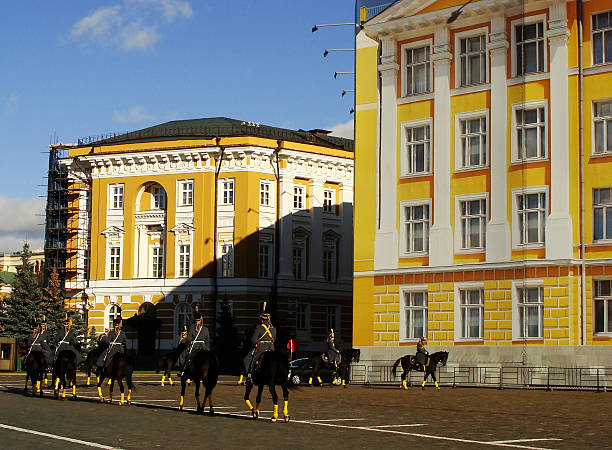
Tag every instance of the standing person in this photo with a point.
(116, 341)
(68, 342)
(263, 339)
(333, 352)
(197, 338)
(422, 356)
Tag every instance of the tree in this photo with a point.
(22, 308)
(52, 306)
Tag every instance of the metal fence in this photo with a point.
(587, 378)
(376, 10)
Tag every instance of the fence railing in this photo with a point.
(376, 10)
(526, 377)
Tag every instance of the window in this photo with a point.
(329, 265)
(182, 314)
(602, 214)
(301, 317)
(333, 317)
(114, 312)
(328, 200)
(602, 38)
(115, 263)
(298, 197)
(473, 137)
(264, 193)
(158, 198)
(473, 223)
(603, 126)
(603, 306)
(531, 312)
(418, 141)
(529, 48)
(227, 260)
(299, 263)
(184, 260)
(157, 263)
(415, 314)
(531, 210)
(531, 133)
(228, 192)
(264, 260)
(117, 196)
(472, 317)
(473, 57)
(416, 228)
(5, 351)
(186, 193)
(418, 70)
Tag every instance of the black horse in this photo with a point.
(119, 367)
(64, 373)
(341, 373)
(168, 362)
(204, 367)
(92, 358)
(36, 369)
(408, 364)
(273, 369)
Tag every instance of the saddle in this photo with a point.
(326, 359)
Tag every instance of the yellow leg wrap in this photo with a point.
(38, 385)
(343, 382)
(319, 379)
(171, 382)
(88, 381)
(286, 408)
(436, 383)
(275, 415)
(109, 381)
(181, 401)
(129, 395)
(257, 407)
(46, 380)
(249, 404)
(97, 379)
(404, 384)
(188, 381)
(241, 378)
(310, 380)
(423, 383)
(122, 398)
(74, 389)
(57, 380)
(163, 379)
(99, 391)
(63, 393)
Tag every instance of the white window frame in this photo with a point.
(458, 138)
(158, 198)
(267, 265)
(111, 269)
(161, 261)
(182, 273)
(605, 120)
(185, 193)
(404, 236)
(227, 191)
(606, 299)
(404, 153)
(535, 104)
(226, 262)
(337, 323)
(602, 31)
(466, 35)
(265, 193)
(329, 263)
(306, 317)
(303, 261)
(404, 69)
(516, 241)
(516, 317)
(459, 325)
(528, 20)
(178, 311)
(112, 306)
(407, 290)
(116, 196)
(459, 225)
(329, 200)
(604, 207)
(299, 197)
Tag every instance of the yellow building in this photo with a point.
(487, 224)
(217, 213)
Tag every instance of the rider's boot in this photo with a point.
(437, 387)
(423, 385)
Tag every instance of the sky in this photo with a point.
(70, 69)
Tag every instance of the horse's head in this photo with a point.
(444, 358)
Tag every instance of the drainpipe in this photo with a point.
(581, 163)
(215, 263)
(276, 225)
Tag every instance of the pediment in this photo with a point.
(113, 230)
(183, 228)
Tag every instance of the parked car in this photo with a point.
(300, 371)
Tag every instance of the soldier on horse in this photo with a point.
(69, 342)
(39, 341)
(197, 338)
(421, 359)
(116, 341)
(263, 339)
(333, 352)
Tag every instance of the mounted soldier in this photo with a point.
(68, 342)
(263, 339)
(182, 357)
(116, 341)
(333, 352)
(421, 358)
(39, 341)
(197, 338)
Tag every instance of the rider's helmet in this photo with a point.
(67, 322)
(263, 315)
(184, 332)
(117, 322)
(43, 323)
(331, 334)
(423, 339)
(197, 316)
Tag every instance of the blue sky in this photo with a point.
(77, 68)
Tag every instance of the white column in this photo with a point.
(498, 228)
(315, 269)
(142, 244)
(285, 270)
(559, 223)
(386, 240)
(345, 263)
(441, 235)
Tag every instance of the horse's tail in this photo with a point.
(395, 365)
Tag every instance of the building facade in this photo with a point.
(217, 213)
(485, 224)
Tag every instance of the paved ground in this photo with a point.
(358, 417)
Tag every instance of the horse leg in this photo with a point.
(183, 386)
(63, 384)
(100, 381)
(25, 387)
(315, 371)
(435, 380)
(74, 383)
(258, 400)
(122, 390)
(111, 383)
(208, 394)
(197, 395)
(247, 392)
(424, 380)
(274, 401)
(286, 400)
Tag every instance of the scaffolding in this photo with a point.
(67, 222)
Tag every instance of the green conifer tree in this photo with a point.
(52, 306)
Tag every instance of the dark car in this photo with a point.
(300, 371)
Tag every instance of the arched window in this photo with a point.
(113, 312)
(182, 317)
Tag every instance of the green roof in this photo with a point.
(209, 128)
(7, 277)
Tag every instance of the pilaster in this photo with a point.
(285, 207)
(315, 270)
(345, 264)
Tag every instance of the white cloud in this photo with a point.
(11, 104)
(136, 114)
(345, 130)
(130, 26)
(20, 222)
